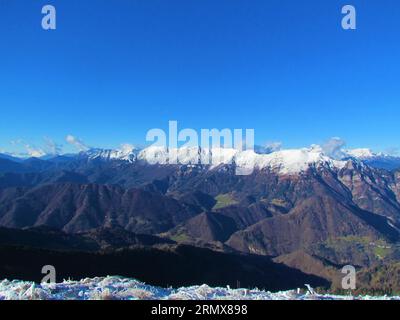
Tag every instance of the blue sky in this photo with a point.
(114, 69)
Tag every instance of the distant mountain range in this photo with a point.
(375, 160)
(302, 208)
(191, 155)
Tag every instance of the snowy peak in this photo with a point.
(187, 155)
(362, 153)
(288, 161)
(124, 153)
(367, 154)
(373, 159)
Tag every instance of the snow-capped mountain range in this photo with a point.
(287, 161)
(378, 160)
(283, 161)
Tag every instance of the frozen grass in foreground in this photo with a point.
(120, 288)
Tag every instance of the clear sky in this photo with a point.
(114, 69)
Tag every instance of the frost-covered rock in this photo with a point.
(120, 288)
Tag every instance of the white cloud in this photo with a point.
(269, 147)
(35, 152)
(333, 147)
(76, 142)
(52, 147)
(30, 150)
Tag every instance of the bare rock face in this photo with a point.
(372, 190)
